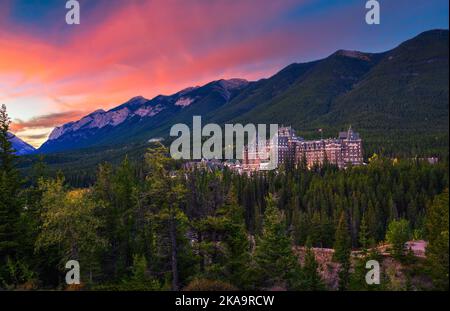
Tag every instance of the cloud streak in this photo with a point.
(45, 121)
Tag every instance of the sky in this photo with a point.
(52, 73)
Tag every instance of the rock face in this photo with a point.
(21, 147)
(100, 118)
(140, 115)
(403, 92)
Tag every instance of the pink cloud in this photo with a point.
(150, 47)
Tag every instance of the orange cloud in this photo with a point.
(45, 121)
(145, 48)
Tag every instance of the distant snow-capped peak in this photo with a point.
(137, 106)
(20, 147)
(184, 101)
(141, 107)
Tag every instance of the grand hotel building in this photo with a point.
(342, 151)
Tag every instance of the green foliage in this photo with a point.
(342, 246)
(18, 275)
(166, 192)
(151, 225)
(437, 250)
(160, 227)
(364, 237)
(140, 279)
(310, 275)
(69, 221)
(274, 258)
(357, 279)
(11, 204)
(139, 268)
(237, 261)
(397, 235)
(342, 250)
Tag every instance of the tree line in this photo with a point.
(157, 226)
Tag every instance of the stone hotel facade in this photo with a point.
(341, 151)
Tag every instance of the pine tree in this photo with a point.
(7, 156)
(297, 226)
(364, 235)
(10, 201)
(397, 235)
(315, 234)
(342, 244)
(115, 188)
(342, 251)
(238, 258)
(437, 225)
(311, 277)
(275, 260)
(166, 193)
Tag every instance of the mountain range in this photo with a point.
(139, 117)
(20, 147)
(397, 100)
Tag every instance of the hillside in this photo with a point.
(397, 100)
(136, 119)
(20, 147)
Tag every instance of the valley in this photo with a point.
(390, 97)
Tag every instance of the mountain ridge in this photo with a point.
(135, 110)
(409, 81)
(21, 147)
